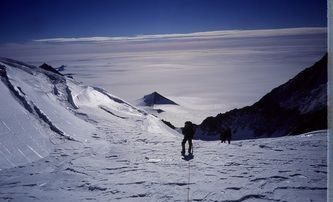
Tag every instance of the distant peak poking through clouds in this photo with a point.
(196, 35)
(155, 99)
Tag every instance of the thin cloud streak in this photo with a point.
(198, 35)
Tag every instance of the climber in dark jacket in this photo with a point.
(188, 132)
(225, 134)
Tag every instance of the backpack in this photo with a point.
(188, 131)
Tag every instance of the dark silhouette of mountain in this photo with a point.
(298, 106)
(49, 68)
(155, 98)
(61, 68)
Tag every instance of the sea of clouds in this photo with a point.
(207, 72)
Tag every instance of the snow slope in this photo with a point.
(97, 147)
(146, 168)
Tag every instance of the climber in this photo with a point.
(188, 132)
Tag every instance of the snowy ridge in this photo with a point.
(43, 94)
(52, 102)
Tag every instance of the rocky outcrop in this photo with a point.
(298, 106)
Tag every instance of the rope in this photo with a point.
(189, 176)
(188, 182)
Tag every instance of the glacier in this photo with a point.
(61, 140)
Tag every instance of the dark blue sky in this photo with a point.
(32, 19)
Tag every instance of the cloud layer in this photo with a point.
(220, 70)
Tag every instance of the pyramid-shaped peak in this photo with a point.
(156, 98)
(155, 94)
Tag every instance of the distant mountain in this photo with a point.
(49, 68)
(61, 68)
(155, 99)
(298, 106)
